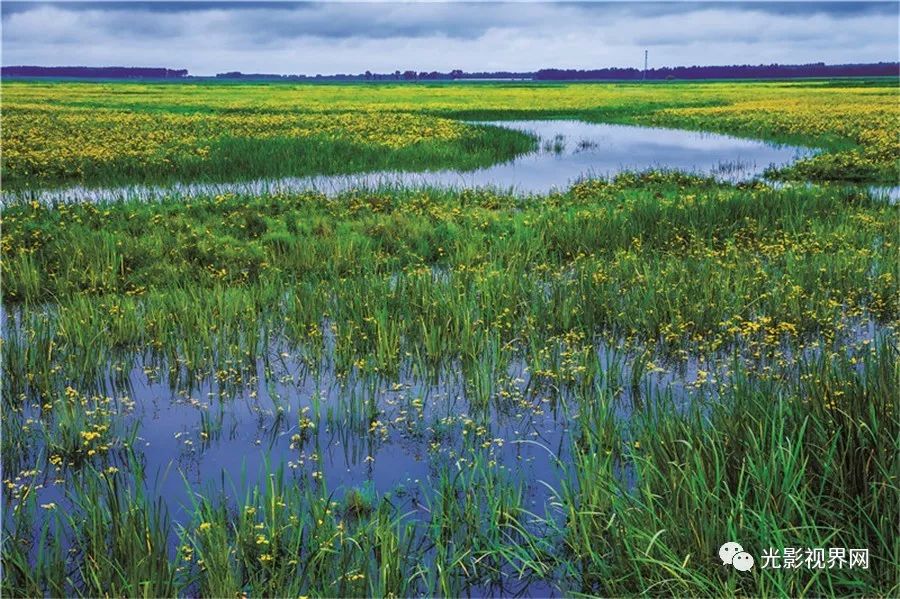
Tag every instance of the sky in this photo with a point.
(341, 37)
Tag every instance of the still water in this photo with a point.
(223, 431)
(565, 152)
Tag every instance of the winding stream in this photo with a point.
(566, 151)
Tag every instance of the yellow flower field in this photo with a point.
(86, 132)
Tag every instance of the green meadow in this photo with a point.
(443, 392)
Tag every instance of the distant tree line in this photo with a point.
(770, 71)
(94, 72)
(767, 71)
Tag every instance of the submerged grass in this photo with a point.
(786, 438)
(642, 506)
(808, 462)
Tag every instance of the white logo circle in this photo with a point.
(742, 561)
(728, 551)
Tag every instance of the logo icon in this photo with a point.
(742, 561)
(733, 554)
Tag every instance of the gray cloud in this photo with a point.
(344, 37)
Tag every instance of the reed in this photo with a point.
(602, 385)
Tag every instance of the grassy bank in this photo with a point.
(659, 255)
(129, 150)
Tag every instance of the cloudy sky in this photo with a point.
(339, 37)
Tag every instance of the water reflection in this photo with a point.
(566, 151)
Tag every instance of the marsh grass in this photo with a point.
(230, 158)
(703, 352)
(786, 440)
(662, 258)
(643, 503)
(775, 464)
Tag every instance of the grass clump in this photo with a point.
(802, 463)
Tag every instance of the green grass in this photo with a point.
(798, 258)
(644, 503)
(808, 462)
(242, 158)
(228, 132)
(779, 428)
(781, 450)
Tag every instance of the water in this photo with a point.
(566, 152)
(191, 429)
(884, 193)
(214, 434)
(188, 436)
